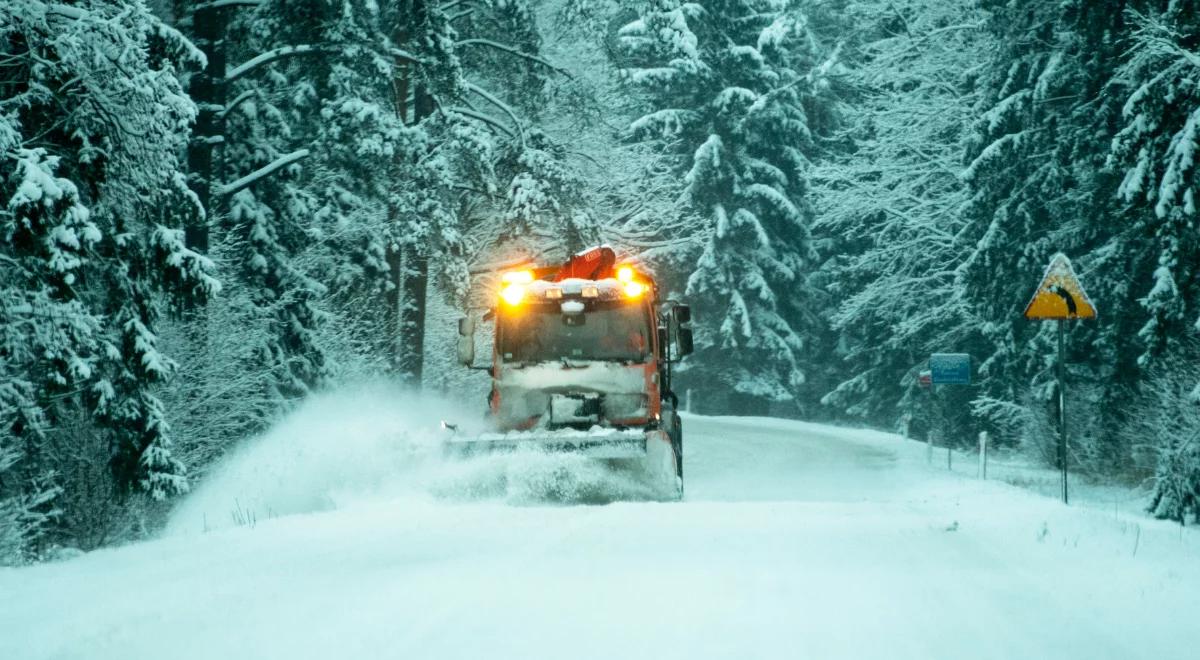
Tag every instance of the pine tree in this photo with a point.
(89, 244)
(1037, 186)
(1156, 151)
(1154, 154)
(891, 201)
(737, 91)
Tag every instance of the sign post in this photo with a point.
(948, 369)
(925, 380)
(983, 443)
(1060, 297)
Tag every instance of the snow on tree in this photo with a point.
(737, 90)
(891, 202)
(1036, 175)
(1165, 423)
(92, 123)
(1156, 150)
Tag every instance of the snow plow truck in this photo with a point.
(582, 362)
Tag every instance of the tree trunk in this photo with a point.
(408, 265)
(207, 89)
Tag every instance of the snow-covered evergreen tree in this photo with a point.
(1037, 186)
(1164, 426)
(891, 203)
(737, 90)
(1156, 152)
(93, 120)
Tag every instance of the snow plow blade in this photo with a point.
(606, 443)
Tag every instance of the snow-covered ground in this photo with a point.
(795, 540)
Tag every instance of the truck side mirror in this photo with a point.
(466, 341)
(685, 342)
(663, 338)
(683, 314)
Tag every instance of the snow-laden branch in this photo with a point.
(513, 51)
(241, 98)
(402, 54)
(490, 98)
(217, 4)
(61, 10)
(268, 57)
(491, 121)
(266, 170)
(301, 49)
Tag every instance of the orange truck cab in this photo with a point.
(582, 361)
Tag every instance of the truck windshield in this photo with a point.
(606, 331)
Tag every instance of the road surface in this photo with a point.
(795, 541)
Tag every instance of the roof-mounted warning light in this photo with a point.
(515, 283)
(633, 288)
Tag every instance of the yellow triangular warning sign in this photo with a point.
(1060, 295)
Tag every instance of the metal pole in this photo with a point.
(983, 443)
(932, 425)
(1062, 405)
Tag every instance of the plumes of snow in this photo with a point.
(370, 443)
(354, 440)
(533, 477)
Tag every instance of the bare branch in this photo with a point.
(513, 51)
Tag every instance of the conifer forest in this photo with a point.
(212, 210)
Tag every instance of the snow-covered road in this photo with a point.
(795, 541)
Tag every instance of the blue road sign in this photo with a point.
(950, 368)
